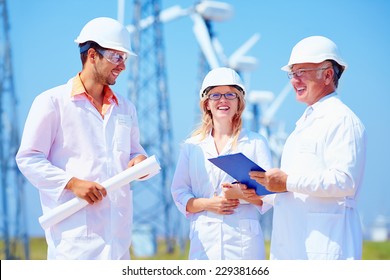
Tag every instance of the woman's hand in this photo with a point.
(221, 205)
(217, 204)
(241, 191)
(232, 191)
(251, 196)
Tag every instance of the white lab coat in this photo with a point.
(214, 236)
(66, 137)
(324, 158)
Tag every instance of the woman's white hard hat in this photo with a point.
(314, 49)
(108, 33)
(221, 76)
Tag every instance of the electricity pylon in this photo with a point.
(153, 203)
(14, 241)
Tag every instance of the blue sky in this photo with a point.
(45, 55)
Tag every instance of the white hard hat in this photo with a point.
(222, 76)
(108, 33)
(314, 49)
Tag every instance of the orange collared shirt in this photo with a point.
(108, 99)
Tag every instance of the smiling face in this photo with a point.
(312, 84)
(223, 109)
(107, 72)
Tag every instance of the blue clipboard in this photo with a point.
(238, 166)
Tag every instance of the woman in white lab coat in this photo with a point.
(224, 218)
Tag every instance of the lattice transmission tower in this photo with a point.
(153, 206)
(203, 69)
(14, 241)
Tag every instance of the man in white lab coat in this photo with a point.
(81, 133)
(322, 166)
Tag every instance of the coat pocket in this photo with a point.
(324, 235)
(122, 133)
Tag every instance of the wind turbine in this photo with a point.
(202, 14)
(264, 104)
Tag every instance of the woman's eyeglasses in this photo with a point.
(217, 96)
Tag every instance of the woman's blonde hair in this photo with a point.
(206, 124)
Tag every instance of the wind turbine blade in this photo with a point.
(166, 15)
(173, 13)
(241, 51)
(269, 114)
(121, 11)
(244, 64)
(219, 51)
(203, 36)
(214, 10)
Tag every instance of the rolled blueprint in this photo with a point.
(149, 166)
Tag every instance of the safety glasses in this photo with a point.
(113, 56)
